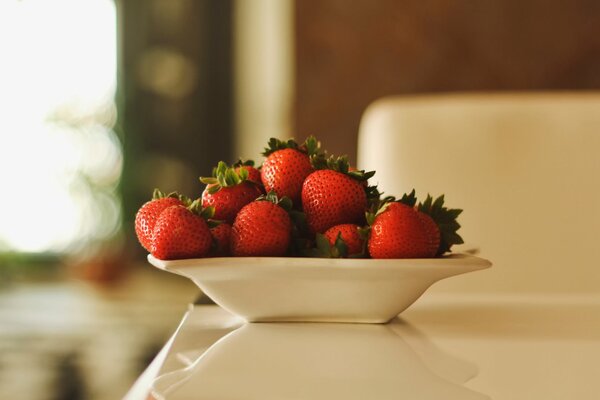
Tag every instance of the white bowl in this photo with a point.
(260, 289)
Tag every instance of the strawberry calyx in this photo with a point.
(325, 250)
(284, 202)
(311, 146)
(363, 233)
(157, 195)
(377, 206)
(445, 219)
(243, 163)
(205, 212)
(409, 199)
(340, 164)
(380, 204)
(224, 176)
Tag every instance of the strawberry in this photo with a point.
(397, 232)
(401, 229)
(228, 191)
(334, 196)
(182, 232)
(432, 232)
(147, 215)
(350, 234)
(221, 237)
(262, 228)
(286, 166)
(253, 173)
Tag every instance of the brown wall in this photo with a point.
(350, 53)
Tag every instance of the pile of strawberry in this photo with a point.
(299, 202)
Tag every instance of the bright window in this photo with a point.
(60, 160)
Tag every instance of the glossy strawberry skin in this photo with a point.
(284, 171)
(147, 216)
(331, 198)
(350, 235)
(179, 233)
(222, 237)
(261, 228)
(398, 232)
(228, 201)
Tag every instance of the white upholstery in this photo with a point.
(525, 167)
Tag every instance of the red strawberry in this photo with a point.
(286, 166)
(228, 191)
(351, 236)
(262, 228)
(221, 236)
(181, 232)
(405, 230)
(331, 198)
(397, 232)
(253, 173)
(432, 232)
(147, 215)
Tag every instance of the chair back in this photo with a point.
(525, 167)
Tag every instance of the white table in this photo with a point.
(443, 347)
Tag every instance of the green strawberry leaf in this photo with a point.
(312, 145)
(243, 163)
(214, 189)
(322, 244)
(323, 249)
(286, 203)
(339, 248)
(208, 180)
(339, 164)
(213, 223)
(157, 194)
(275, 144)
(224, 176)
(243, 174)
(207, 212)
(370, 217)
(409, 199)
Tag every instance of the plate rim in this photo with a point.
(451, 261)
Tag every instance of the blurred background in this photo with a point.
(103, 100)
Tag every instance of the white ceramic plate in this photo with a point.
(318, 289)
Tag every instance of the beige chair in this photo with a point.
(525, 167)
